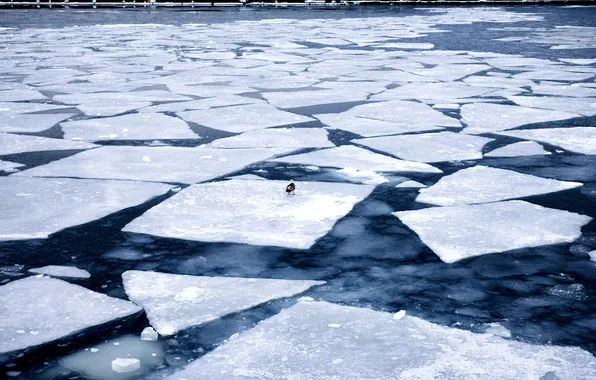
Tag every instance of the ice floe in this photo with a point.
(576, 139)
(277, 138)
(452, 92)
(35, 206)
(312, 98)
(12, 144)
(429, 147)
(9, 167)
(243, 118)
(143, 126)
(107, 107)
(319, 340)
(484, 117)
(459, 232)
(357, 158)
(523, 148)
(580, 106)
(161, 164)
(410, 184)
(61, 271)
(223, 212)
(31, 122)
(124, 97)
(20, 95)
(174, 302)
(8, 108)
(39, 310)
(481, 184)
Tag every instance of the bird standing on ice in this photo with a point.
(291, 187)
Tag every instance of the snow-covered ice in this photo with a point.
(319, 340)
(222, 212)
(312, 98)
(61, 271)
(451, 92)
(38, 310)
(9, 167)
(149, 333)
(122, 365)
(277, 138)
(429, 147)
(108, 107)
(31, 122)
(410, 184)
(124, 97)
(522, 148)
(576, 139)
(481, 184)
(243, 118)
(460, 232)
(9, 108)
(35, 206)
(592, 255)
(485, 117)
(143, 126)
(174, 302)
(163, 164)
(367, 177)
(357, 158)
(580, 106)
(11, 144)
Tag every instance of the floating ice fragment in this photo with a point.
(122, 365)
(363, 176)
(498, 330)
(523, 148)
(149, 334)
(592, 255)
(576, 139)
(399, 315)
(61, 271)
(12, 144)
(9, 167)
(410, 184)
(277, 138)
(580, 106)
(31, 122)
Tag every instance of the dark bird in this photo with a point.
(291, 187)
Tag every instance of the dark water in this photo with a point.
(370, 258)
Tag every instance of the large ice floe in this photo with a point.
(31, 122)
(429, 147)
(128, 127)
(34, 311)
(174, 302)
(349, 156)
(243, 118)
(320, 340)
(577, 139)
(12, 144)
(277, 138)
(460, 232)
(61, 271)
(481, 184)
(253, 212)
(580, 106)
(160, 164)
(36, 206)
(312, 98)
(451, 92)
(523, 148)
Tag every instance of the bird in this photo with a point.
(291, 187)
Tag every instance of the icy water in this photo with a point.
(203, 77)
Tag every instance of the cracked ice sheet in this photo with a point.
(35, 206)
(107, 107)
(12, 144)
(450, 72)
(577, 139)
(11, 109)
(523, 148)
(452, 92)
(487, 117)
(238, 119)
(459, 232)
(202, 104)
(145, 126)
(20, 95)
(158, 164)
(429, 147)
(61, 271)
(277, 138)
(580, 106)
(132, 96)
(219, 212)
(34, 311)
(31, 122)
(297, 99)
(9, 167)
(175, 302)
(320, 340)
(481, 184)
(349, 156)
(370, 127)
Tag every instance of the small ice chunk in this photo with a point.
(174, 302)
(277, 138)
(575, 139)
(459, 232)
(446, 106)
(399, 315)
(148, 334)
(363, 176)
(592, 255)
(523, 148)
(9, 167)
(122, 365)
(12, 144)
(410, 184)
(251, 177)
(406, 45)
(429, 147)
(498, 330)
(61, 271)
(481, 184)
(219, 212)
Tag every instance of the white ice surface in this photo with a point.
(149, 333)
(312, 98)
(580, 106)
(31, 122)
(277, 138)
(460, 232)
(523, 148)
(36, 206)
(357, 158)
(144, 126)
(367, 177)
(411, 184)
(9, 167)
(123, 365)
(20, 95)
(202, 104)
(485, 117)
(124, 97)
(175, 302)
(160, 164)
(36, 310)
(222, 212)
(592, 255)
(430, 147)
(481, 184)
(109, 107)
(61, 271)
(11, 144)
(451, 92)
(556, 75)
(8, 108)
(243, 118)
(324, 341)
(576, 139)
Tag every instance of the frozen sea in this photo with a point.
(445, 163)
